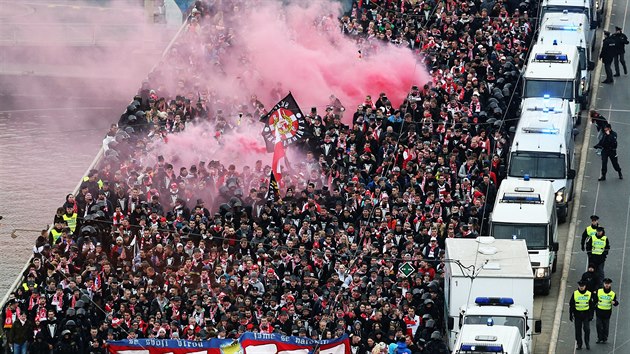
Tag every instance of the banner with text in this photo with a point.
(248, 343)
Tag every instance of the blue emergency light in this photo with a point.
(492, 348)
(550, 131)
(552, 57)
(563, 28)
(483, 300)
(521, 198)
(526, 177)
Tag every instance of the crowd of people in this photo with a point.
(195, 252)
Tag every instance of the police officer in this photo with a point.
(608, 145)
(581, 310)
(600, 122)
(597, 251)
(621, 40)
(606, 299)
(590, 231)
(607, 54)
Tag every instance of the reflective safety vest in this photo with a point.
(25, 286)
(582, 301)
(598, 245)
(71, 221)
(56, 235)
(100, 182)
(591, 231)
(604, 299)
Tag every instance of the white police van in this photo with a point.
(593, 9)
(526, 209)
(553, 70)
(543, 147)
(571, 29)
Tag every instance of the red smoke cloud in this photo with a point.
(306, 52)
(298, 47)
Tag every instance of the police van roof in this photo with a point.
(529, 202)
(564, 28)
(549, 61)
(567, 3)
(543, 125)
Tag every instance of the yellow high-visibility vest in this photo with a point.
(604, 300)
(582, 301)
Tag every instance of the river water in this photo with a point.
(45, 148)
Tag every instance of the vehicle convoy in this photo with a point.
(526, 210)
(543, 147)
(488, 279)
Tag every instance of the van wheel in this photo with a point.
(555, 264)
(562, 217)
(546, 288)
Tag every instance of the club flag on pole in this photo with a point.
(273, 192)
(284, 122)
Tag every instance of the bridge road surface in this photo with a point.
(610, 200)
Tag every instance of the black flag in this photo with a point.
(273, 191)
(284, 123)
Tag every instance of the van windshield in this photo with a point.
(518, 322)
(535, 235)
(553, 88)
(561, 8)
(537, 165)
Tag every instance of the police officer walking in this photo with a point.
(597, 251)
(600, 122)
(621, 40)
(590, 231)
(607, 55)
(606, 299)
(581, 310)
(608, 145)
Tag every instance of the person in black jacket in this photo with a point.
(621, 40)
(600, 122)
(581, 309)
(607, 54)
(608, 144)
(590, 278)
(21, 334)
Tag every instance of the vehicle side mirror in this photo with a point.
(594, 25)
(512, 129)
(571, 174)
(555, 246)
(537, 326)
(575, 132)
(451, 323)
(591, 65)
